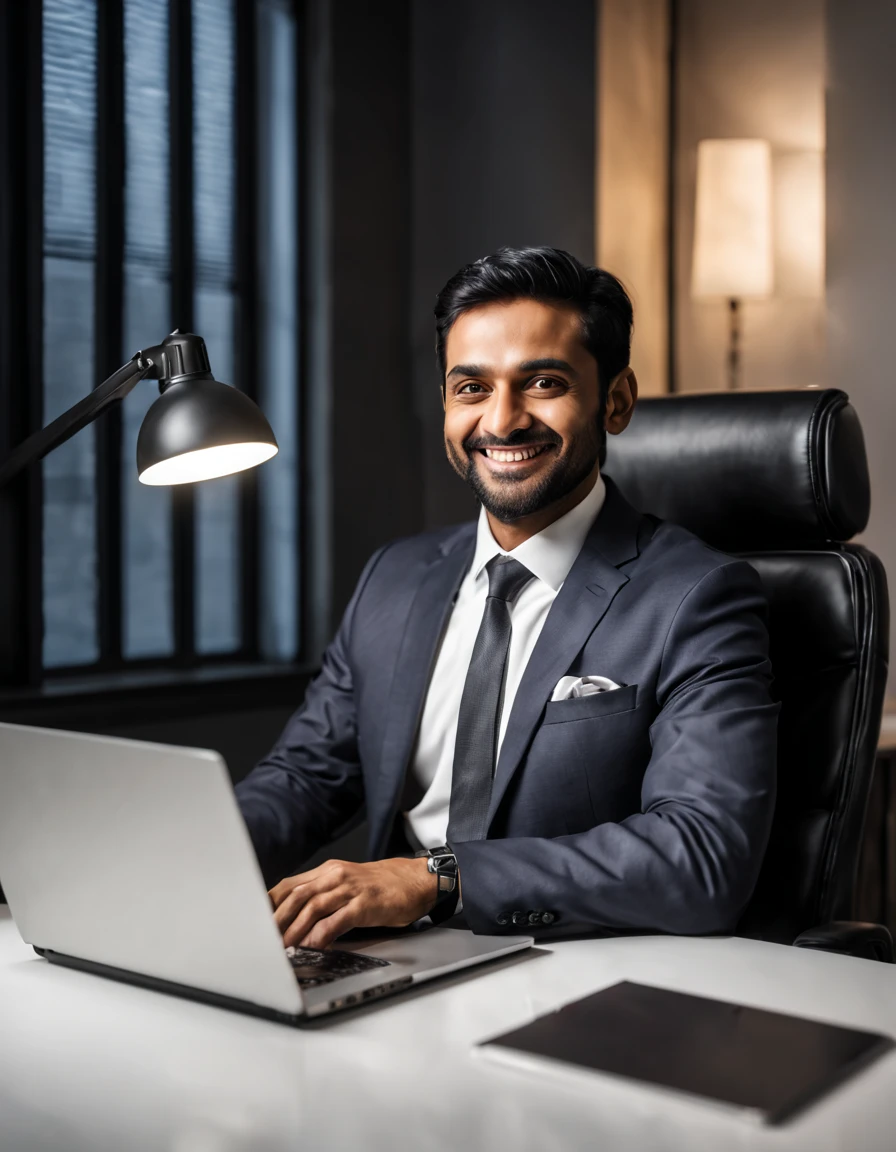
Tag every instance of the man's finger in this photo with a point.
(303, 889)
(326, 931)
(287, 910)
(299, 897)
(319, 907)
(287, 885)
(281, 891)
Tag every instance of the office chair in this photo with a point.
(781, 478)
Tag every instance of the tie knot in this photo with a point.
(506, 577)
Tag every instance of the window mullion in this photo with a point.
(21, 346)
(310, 634)
(108, 318)
(247, 296)
(182, 296)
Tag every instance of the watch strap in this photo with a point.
(443, 864)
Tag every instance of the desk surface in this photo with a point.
(86, 1063)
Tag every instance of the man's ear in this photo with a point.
(621, 400)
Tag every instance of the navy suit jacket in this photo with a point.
(647, 807)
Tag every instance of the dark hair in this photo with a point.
(546, 274)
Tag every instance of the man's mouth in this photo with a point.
(514, 455)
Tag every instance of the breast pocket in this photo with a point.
(586, 763)
(587, 707)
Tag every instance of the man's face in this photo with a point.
(521, 405)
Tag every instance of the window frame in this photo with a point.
(21, 250)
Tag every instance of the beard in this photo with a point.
(510, 498)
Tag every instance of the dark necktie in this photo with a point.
(480, 706)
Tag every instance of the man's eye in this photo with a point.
(470, 385)
(543, 382)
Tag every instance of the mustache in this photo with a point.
(514, 440)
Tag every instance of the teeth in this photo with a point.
(505, 456)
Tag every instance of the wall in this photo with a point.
(634, 49)
(503, 153)
(861, 243)
(373, 463)
(754, 70)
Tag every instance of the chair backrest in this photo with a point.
(781, 478)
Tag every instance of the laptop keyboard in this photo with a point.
(313, 967)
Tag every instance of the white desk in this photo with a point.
(86, 1063)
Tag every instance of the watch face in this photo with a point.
(441, 863)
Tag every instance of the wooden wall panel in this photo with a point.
(632, 216)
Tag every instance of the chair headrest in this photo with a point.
(747, 471)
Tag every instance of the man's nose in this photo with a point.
(506, 413)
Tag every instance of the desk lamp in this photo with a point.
(198, 428)
(732, 232)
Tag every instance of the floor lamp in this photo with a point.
(732, 231)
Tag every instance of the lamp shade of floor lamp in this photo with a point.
(732, 256)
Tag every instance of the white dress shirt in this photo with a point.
(548, 555)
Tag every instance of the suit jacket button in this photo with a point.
(503, 919)
(520, 918)
(534, 917)
(548, 917)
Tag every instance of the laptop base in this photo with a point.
(217, 1000)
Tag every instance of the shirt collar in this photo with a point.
(550, 553)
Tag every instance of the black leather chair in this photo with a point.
(781, 478)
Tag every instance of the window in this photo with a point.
(170, 199)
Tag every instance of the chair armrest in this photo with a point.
(849, 938)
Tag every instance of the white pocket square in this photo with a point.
(570, 687)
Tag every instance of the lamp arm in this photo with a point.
(116, 387)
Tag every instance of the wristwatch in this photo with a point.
(443, 863)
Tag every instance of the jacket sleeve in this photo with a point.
(310, 784)
(689, 860)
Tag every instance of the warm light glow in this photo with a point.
(207, 464)
(799, 224)
(733, 232)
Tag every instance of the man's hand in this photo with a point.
(315, 907)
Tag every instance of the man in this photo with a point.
(567, 702)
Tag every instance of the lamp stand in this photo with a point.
(733, 344)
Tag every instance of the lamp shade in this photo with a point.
(733, 230)
(199, 429)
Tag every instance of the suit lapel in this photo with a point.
(423, 627)
(581, 603)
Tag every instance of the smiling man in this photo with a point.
(564, 707)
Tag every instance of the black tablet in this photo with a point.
(766, 1062)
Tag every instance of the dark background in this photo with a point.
(428, 142)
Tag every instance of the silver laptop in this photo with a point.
(131, 860)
